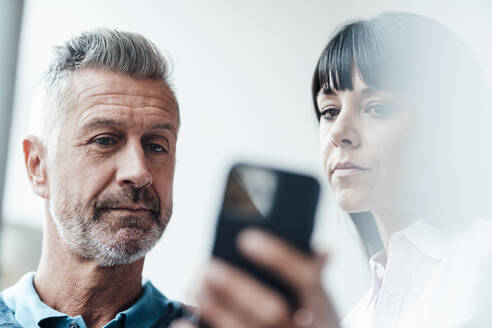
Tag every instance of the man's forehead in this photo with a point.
(101, 95)
(92, 84)
(91, 89)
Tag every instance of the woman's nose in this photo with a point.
(344, 132)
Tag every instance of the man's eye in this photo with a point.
(329, 113)
(155, 148)
(379, 110)
(104, 141)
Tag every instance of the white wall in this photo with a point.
(242, 76)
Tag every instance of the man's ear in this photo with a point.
(35, 158)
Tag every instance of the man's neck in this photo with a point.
(74, 286)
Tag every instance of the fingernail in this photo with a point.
(251, 241)
(303, 318)
(181, 324)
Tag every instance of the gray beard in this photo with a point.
(87, 235)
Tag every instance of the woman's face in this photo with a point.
(364, 136)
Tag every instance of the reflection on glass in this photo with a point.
(250, 193)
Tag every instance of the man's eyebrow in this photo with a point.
(102, 122)
(106, 122)
(166, 127)
(163, 126)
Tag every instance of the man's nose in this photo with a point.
(343, 132)
(132, 167)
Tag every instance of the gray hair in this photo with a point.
(105, 49)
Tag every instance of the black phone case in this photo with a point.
(291, 218)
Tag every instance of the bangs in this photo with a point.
(355, 46)
(407, 54)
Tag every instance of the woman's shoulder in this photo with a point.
(475, 240)
(461, 289)
(470, 252)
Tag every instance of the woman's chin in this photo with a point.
(352, 202)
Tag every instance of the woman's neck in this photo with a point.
(389, 221)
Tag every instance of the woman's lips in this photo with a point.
(347, 172)
(347, 169)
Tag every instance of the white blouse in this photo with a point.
(430, 278)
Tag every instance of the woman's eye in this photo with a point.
(329, 113)
(104, 141)
(155, 148)
(379, 110)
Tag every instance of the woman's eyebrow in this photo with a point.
(325, 94)
(368, 91)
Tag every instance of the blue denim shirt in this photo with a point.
(151, 310)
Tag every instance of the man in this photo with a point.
(103, 160)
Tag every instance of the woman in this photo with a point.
(401, 109)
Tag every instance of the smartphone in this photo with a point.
(279, 202)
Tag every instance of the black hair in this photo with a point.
(400, 52)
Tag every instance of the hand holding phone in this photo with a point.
(229, 297)
(264, 273)
(278, 202)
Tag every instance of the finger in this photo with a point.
(302, 271)
(218, 315)
(182, 324)
(244, 296)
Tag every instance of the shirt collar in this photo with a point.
(23, 299)
(151, 304)
(430, 241)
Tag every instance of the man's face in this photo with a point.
(110, 179)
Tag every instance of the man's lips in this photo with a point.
(134, 209)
